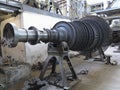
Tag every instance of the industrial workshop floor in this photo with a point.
(100, 76)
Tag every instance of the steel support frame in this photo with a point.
(60, 53)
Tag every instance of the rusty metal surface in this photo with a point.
(9, 9)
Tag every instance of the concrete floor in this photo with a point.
(100, 76)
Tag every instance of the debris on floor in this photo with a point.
(37, 66)
(9, 75)
(35, 84)
(83, 72)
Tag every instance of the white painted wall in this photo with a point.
(32, 53)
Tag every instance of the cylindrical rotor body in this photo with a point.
(82, 35)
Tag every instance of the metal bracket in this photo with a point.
(104, 58)
(58, 53)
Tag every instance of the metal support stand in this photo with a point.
(103, 57)
(58, 53)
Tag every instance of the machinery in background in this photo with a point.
(87, 34)
(71, 8)
(32, 3)
(45, 5)
(112, 15)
